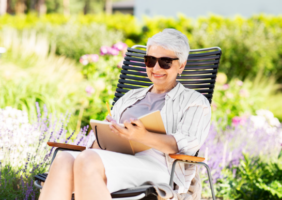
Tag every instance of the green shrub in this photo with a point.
(255, 178)
(249, 45)
(28, 74)
(237, 98)
(74, 40)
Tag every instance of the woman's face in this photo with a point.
(163, 77)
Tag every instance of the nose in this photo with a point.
(157, 66)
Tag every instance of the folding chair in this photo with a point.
(199, 74)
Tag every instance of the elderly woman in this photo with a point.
(95, 173)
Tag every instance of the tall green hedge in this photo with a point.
(248, 45)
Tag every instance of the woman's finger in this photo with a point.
(137, 122)
(128, 124)
(109, 118)
(114, 130)
(118, 127)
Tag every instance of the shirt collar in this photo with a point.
(173, 93)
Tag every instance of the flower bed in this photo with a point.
(24, 152)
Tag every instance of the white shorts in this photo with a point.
(126, 171)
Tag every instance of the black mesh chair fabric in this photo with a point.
(199, 74)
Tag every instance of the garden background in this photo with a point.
(59, 71)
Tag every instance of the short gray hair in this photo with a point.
(173, 40)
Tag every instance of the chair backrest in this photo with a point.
(199, 74)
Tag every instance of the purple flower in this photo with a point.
(35, 156)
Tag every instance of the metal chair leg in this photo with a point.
(210, 179)
(199, 163)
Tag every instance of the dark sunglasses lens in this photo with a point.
(150, 61)
(165, 63)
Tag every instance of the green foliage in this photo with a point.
(14, 182)
(255, 178)
(249, 45)
(85, 34)
(242, 99)
(28, 74)
(74, 40)
(103, 76)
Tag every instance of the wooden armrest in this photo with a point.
(186, 157)
(66, 146)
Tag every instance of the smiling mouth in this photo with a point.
(158, 75)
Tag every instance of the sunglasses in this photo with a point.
(164, 62)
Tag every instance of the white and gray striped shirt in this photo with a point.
(186, 115)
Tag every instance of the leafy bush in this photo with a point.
(224, 149)
(237, 98)
(249, 45)
(74, 40)
(254, 178)
(29, 74)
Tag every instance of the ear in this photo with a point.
(182, 67)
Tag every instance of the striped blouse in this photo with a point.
(186, 115)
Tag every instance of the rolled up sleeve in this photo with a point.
(194, 126)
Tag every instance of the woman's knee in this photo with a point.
(89, 162)
(63, 161)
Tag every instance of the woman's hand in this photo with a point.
(110, 119)
(133, 130)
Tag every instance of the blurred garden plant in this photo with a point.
(259, 137)
(31, 73)
(254, 178)
(250, 45)
(236, 100)
(24, 152)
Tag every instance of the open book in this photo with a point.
(110, 141)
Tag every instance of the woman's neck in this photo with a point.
(160, 89)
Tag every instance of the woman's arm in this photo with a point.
(137, 132)
(161, 142)
(188, 138)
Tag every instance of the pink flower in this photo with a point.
(119, 65)
(214, 106)
(225, 86)
(238, 120)
(104, 50)
(239, 83)
(119, 46)
(93, 57)
(89, 90)
(84, 59)
(113, 52)
(229, 95)
(244, 93)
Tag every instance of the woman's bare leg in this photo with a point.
(59, 182)
(90, 178)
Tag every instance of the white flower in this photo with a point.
(258, 121)
(265, 116)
